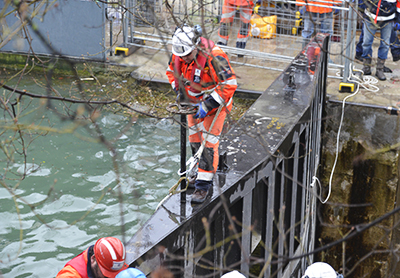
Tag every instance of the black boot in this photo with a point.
(386, 69)
(367, 66)
(241, 45)
(358, 57)
(379, 70)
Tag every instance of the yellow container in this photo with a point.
(263, 27)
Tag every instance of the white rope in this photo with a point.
(366, 83)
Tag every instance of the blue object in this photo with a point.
(131, 273)
(394, 44)
(396, 26)
(325, 24)
(201, 110)
(369, 32)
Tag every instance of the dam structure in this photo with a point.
(260, 218)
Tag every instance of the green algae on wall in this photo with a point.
(59, 66)
(364, 187)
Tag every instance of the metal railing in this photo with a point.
(261, 214)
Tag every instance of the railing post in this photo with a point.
(350, 40)
(183, 155)
(125, 25)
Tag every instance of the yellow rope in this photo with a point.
(172, 190)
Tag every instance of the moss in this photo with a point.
(59, 66)
(106, 81)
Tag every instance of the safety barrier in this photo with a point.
(275, 33)
(261, 215)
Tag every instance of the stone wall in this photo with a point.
(364, 187)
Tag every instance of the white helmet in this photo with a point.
(233, 274)
(320, 270)
(184, 41)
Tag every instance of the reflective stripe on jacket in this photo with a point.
(218, 78)
(240, 2)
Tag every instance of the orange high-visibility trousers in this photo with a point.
(199, 130)
(227, 17)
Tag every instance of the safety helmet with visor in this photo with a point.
(184, 41)
(110, 256)
(321, 270)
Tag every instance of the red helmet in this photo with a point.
(110, 256)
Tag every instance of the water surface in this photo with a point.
(37, 240)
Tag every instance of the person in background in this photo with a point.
(106, 258)
(394, 46)
(379, 15)
(320, 270)
(233, 274)
(229, 8)
(318, 17)
(131, 273)
(201, 71)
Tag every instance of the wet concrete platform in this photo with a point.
(150, 64)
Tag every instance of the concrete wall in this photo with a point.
(364, 188)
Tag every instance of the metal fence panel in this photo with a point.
(274, 52)
(71, 27)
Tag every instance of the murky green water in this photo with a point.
(81, 172)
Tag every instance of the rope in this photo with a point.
(366, 83)
(193, 161)
(172, 191)
(196, 157)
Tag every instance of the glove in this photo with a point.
(396, 26)
(201, 110)
(302, 10)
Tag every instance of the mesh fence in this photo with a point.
(275, 29)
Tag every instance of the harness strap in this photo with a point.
(377, 11)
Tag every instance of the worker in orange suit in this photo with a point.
(229, 8)
(201, 71)
(106, 258)
(318, 17)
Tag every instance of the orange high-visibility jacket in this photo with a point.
(217, 79)
(240, 2)
(77, 267)
(315, 9)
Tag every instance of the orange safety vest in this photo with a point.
(240, 2)
(201, 76)
(77, 267)
(315, 9)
